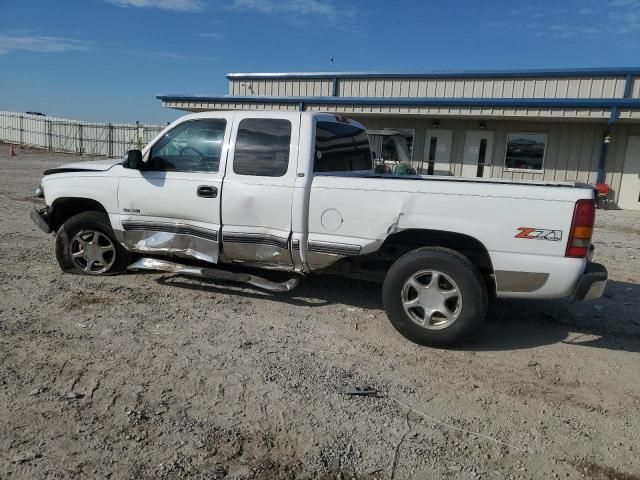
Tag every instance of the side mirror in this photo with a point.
(133, 160)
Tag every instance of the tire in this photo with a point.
(86, 245)
(440, 278)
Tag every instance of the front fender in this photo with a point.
(102, 189)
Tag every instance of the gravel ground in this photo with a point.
(154, 376)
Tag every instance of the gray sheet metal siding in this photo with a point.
(284, 88)
(610, 87)
(635, 89)
(616, 156)
(629, 114)
(543, 87)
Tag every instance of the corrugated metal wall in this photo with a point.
(543, 87)
(282, 88)
(485, 88)
(65, 135)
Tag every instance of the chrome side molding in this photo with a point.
(214, 274)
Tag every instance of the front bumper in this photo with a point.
(41, 218)
(592, 282)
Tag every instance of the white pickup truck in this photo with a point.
(295, 191)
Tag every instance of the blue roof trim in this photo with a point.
(525, 73)
(417, 101)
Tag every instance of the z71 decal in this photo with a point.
(531, 233)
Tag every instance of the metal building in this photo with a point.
(579, 125)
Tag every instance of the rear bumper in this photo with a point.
(592, 282)
(41, 218)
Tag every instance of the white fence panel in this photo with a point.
(125, 137)
(95, 139)
(65, 135)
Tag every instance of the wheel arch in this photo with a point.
(64, 208)
(400, 242)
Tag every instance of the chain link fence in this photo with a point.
(72, 136)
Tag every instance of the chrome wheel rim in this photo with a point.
(432, 299)
(92, 251)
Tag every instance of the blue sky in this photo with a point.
(105, 60)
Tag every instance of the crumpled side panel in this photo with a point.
(145, 241)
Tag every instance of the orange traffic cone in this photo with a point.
(12, 152)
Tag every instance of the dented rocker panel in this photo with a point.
(174, 239)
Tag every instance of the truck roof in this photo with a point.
(322, 116)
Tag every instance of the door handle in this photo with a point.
(207, 191)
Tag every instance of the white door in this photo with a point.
(629, 195)
(478, 152)
(173, 205)
(258, 188)
(437, 152)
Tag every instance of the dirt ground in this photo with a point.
(154, 376)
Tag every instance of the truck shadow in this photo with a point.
(611, 322)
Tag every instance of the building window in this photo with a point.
(525, 151)
(262, 147)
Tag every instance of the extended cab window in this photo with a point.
(192, 146)
(262, 147)
(341, 147)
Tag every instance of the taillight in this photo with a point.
(584, 217)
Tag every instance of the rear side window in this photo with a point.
(341, 147)
(262, 147)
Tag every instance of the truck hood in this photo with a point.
(90, 166)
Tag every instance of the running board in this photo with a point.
(214, 274)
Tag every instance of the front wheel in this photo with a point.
(86, 245)
(435, 296)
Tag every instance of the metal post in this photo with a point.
(604, 149)
(49, 135)
(110, 140)
(21, 131)
(139, 135)
(80, 138)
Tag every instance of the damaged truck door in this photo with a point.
(172, 205)
(258, 190)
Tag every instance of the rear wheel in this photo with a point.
(86, 245)
(435, 296)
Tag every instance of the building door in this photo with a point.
(629, 195)
(437, 152)
(478, 151)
